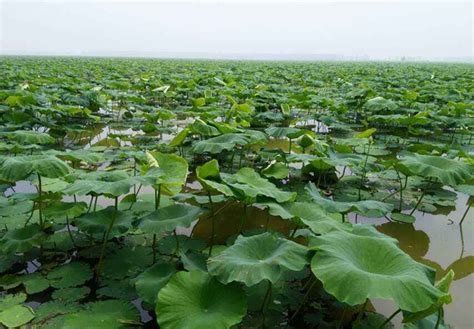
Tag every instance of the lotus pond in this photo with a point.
(141, 193)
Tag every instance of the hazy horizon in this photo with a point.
(261, 30)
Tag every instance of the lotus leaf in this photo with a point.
(354, 267)
(22, 239)
(69, 275)
(197, 300)
(149, 283)
(260, 257)
(18, 168)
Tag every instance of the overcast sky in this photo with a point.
(381, 30)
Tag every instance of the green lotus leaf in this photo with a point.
(378, 104)
(45, 310)
(174, 171)
(276, 209)
(256, 137)
(68, 295)
(127, 262)
(437, 168)
(249, 185)
(26, 137)
(353, 267)
(209, 176)
(149, 283)
(61, 210)
(280, 132)
(86, 156)
(34, 283)
(112, 184)
(18, 168)
(69, 275)
(9, 207)
(108, 314)
(166, 219)
(369, 208)
(197, 300)
(199, 127)
(179, 138)
(276, 170)
(317, 219)
(7, 261)
(16, 316)
(216, 145)
(443, 285)
(22, 239)
(98, 222)
(119, 289)
(366, 133)
(9, 300)
(404, 218)
(260, 257)
(9, 281)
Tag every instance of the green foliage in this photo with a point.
(197, 300)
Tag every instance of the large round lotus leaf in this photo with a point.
(440, 169)
(30, 137)
(114, 184)
(99, 221)
(216, 145)
(355, 267)
(69, 275)
(108, 314)
(249, 185)
(16, 316)
(18, 168)
(152, 280)
(21, 240)
(256, 258)
(168, 218)
(197, 300)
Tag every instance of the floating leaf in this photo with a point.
(16, 316)
(69, 275)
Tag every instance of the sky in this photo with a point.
(239, 29)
